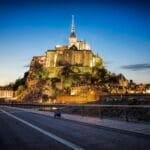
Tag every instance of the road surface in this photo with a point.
(21, 130)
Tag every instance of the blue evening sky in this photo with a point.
(118, 32)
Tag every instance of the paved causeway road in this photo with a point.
(21, 130)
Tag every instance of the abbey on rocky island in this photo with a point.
(64, 73)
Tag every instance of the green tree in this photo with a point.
(66, 71)
(38, 71)
(99, 75)
(20, 81)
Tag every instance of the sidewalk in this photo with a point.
(138, 128)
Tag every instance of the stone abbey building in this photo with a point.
(76, 53)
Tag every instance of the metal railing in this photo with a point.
(125, 112)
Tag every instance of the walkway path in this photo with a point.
(137, 128)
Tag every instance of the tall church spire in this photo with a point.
(72, 28)
(72, 24)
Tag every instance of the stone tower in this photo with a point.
(72, 37)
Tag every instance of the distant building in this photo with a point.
(6, 93)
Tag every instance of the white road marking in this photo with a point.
(61, 140)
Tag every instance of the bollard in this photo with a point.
(100, 112)
(126, 114)
(82, 111)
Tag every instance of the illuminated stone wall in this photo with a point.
(73, 57)
(80, 94)
(75, 99)
(50, 59)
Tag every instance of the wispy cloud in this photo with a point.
(137, 67)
